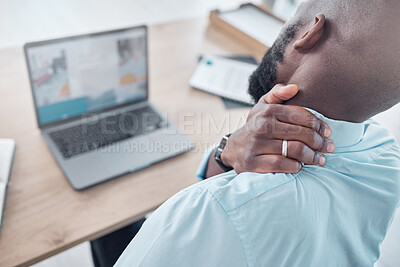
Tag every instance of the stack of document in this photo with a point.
(224, 77)
(251, 25)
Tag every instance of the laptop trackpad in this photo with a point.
(128, 155)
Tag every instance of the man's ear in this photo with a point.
(312, 36)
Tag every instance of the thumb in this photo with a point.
(280, 93)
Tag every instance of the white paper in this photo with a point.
(255, 23)
(7, 147)
(224, 77)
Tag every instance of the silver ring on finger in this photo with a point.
(284, 148)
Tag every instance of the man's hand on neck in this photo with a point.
(258, 147)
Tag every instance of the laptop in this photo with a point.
(91, 100)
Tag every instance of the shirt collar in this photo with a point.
(344, 134)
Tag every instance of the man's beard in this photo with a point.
(263, 78)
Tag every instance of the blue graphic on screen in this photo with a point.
(88, 74)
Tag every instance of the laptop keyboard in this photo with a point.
(94, 135)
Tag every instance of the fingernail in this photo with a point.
(327, 132)
(331, 147)
(322, 160)
(290, 85)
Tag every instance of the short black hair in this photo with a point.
(264, 77)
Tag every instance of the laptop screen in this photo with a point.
(78, 75)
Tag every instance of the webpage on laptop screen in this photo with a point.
(88, 74)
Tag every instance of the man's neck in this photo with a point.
(319, 91)
(331, 103)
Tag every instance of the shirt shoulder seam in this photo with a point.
(233, 224)
(294, 176)
(230, 219)
(165, 228)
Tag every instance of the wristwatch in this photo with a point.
(218, 153)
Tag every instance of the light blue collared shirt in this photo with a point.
(335, 215)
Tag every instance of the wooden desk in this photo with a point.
(43, 214)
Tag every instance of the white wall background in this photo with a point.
(30, 20)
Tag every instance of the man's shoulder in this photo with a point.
(190, 220)
(374, 162)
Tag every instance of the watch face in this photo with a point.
(218, 153)
(223, 141)
(222, 144)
